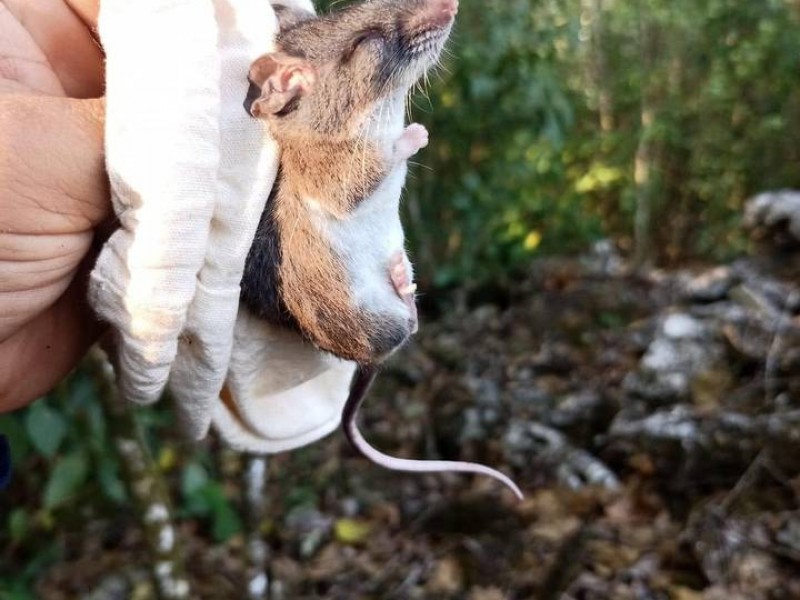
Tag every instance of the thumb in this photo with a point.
(87, 11)
(54, 38)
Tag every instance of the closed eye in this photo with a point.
(366, 36)
(369, 34)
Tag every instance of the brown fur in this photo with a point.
(314, 282)
(337, 174)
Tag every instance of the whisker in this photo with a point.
(416, 164)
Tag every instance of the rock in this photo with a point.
(677, 424)
(604, 259)
(655, 390)
(529, 444)
(710, 286)
(698, 442)
(115, 586)
(779, 293)
(581, 414)
(684, 356)
(681, 326)
(775, 215)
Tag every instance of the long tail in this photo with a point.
(362, 380)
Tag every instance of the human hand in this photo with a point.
(53, 190)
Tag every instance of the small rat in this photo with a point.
(327, 260)
(333, 95)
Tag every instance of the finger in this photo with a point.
(40, 355)
(52, 173)
(67, 44)
(87, 10)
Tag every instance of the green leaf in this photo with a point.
(226, 522)
(193, 478)
(110, 482)
(46, 428)
(82, 390)
(66, 478)
(18, 522)
(13, 428)
(194, 484)
(15, 590)
(98, 438)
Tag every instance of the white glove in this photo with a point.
(190, 172)
(281, 393)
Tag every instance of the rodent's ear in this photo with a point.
(290, 16)
(281, 79)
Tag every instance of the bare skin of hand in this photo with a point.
(53, 190)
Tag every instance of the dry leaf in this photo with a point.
(447, 578)
(351, 531)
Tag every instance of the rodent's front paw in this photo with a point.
(414, 137)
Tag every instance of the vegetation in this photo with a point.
(554, 124)
(649, 122)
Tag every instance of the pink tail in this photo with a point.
(361, 381)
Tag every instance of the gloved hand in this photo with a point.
(190, 172)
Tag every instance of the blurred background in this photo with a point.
(597, 321)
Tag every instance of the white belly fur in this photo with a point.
(367, 239)
(366, 242)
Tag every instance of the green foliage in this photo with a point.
(205, 498)
(46, 428)
(519, 162)
(66, 474)
(66, 478)
(499, 123)
(62, 460)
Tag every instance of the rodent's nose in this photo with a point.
(444, 11)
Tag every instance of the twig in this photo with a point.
(745, 483)
(256, 549)
(145, 485)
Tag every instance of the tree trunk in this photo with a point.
(593, 36)
(646, 178)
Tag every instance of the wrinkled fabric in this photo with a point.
(190, 172)
(281, 393)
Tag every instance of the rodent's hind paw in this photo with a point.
(404, 286)
(414, 137)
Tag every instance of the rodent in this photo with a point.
(327, 260)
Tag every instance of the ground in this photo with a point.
(653, 422)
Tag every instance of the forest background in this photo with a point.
(554, 124)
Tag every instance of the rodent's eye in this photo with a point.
(371, 34)
(365, 37)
